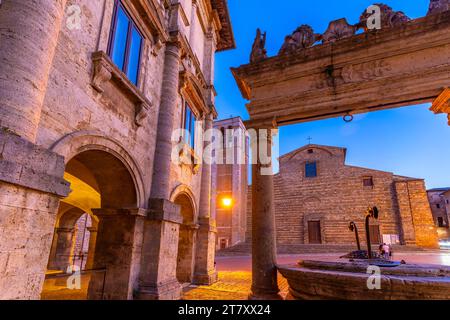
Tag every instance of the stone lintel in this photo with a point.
(27, 165)
(164, 210)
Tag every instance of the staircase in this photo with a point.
(244, 249)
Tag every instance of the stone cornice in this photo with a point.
(151, 13)
(226, 39)
(321, 81)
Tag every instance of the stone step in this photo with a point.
(245, 249)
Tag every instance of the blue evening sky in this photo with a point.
(409, 141)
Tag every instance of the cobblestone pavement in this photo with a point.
(235, 277)
(232, 285)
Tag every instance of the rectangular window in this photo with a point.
(310, 169)
(441, 222)
(438, 206)
(125, 43)
(368, 182)
(189, 125)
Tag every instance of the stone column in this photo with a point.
(63, 249)
(117, 252)
(160, 247)
(205, 271)
(192, 30)
(31, 177)
(91, 251)
(169, 97)
(264, 271)
(28, 37)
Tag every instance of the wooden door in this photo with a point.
(375, 236)
(314, 233)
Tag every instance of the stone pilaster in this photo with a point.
(31, 182)
(205, 271)
(63, 254)
(158, 275)
(93, 231)
(117, 254)
(264, 271)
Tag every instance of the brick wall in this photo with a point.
(337, 196)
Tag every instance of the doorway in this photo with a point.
(314, 232)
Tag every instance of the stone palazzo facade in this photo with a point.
(90, 92)
(229, 182)
(317, 195)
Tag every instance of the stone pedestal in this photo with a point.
(31, 183)
(264, 271)
(205, 272)
(118, 252)
(158, 280)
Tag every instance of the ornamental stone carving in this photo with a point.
(258, 49)
(389, 17)
(438, 6)
(303, 37)
(442, 104)
(338, 29)
(365, 71)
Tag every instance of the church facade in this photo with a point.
(90, 93)
(317, 195)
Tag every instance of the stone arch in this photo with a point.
(183, 197)
(78, 142)
(189, 196)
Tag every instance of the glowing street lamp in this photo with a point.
(227, 202)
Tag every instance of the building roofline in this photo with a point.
(227, 40)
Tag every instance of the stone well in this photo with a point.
(318, 280)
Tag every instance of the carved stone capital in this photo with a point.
(442, 104)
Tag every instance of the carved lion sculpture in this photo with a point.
(437, 6)
(303, 37)
(389, 17)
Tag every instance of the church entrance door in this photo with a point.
(314, 233)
